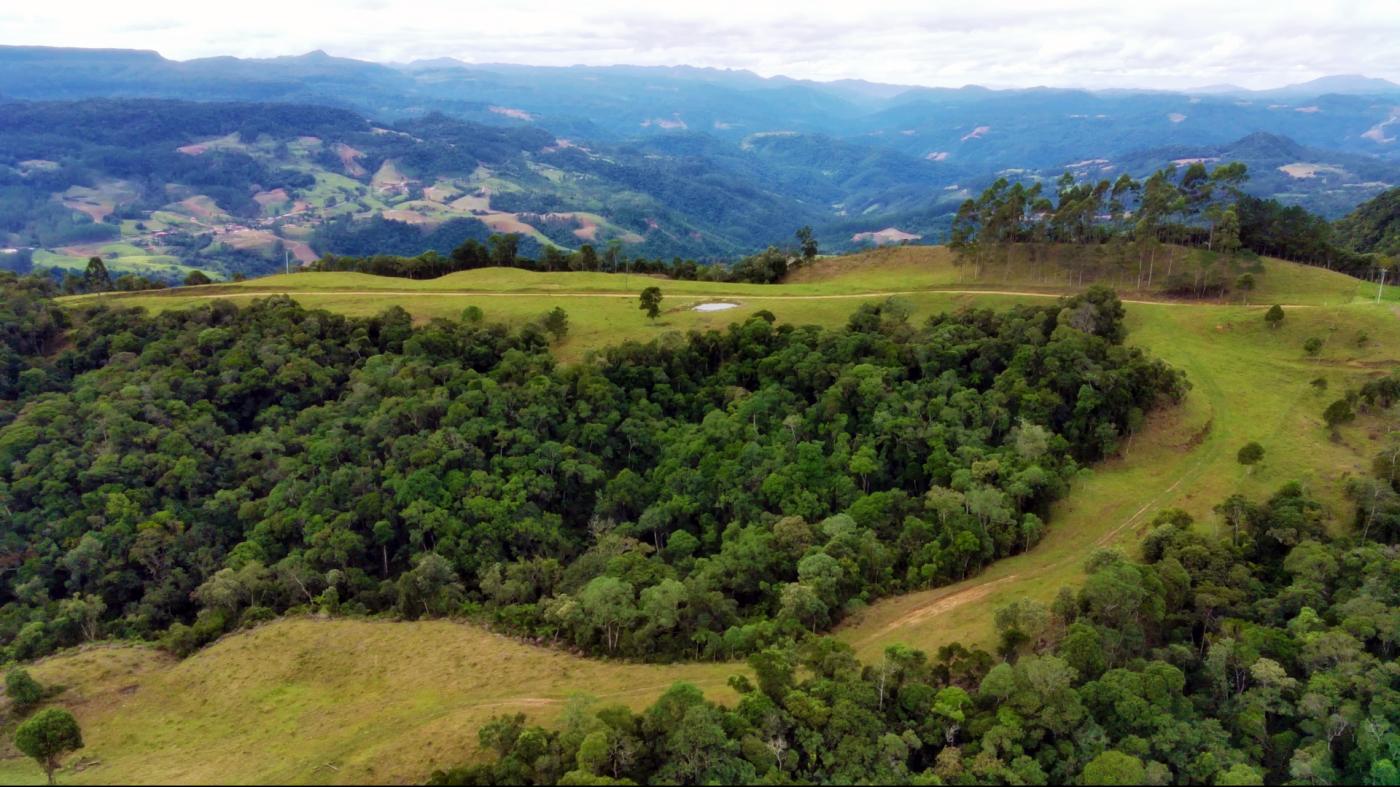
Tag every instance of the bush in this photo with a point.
(1312, 346)
(1250, 454)
(1338, 413)
(24, 692)
(252, 616)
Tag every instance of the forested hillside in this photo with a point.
(178, 475)
(1374, 226)
(1262, 655)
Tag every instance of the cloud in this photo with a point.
(1257, 43)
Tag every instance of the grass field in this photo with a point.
(129, 259)
(308, 701)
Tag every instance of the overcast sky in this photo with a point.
(1002, 43)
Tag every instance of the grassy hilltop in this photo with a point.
(330, 701)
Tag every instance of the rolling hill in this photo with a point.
(314, 684)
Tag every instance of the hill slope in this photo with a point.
(1374, 226)
(318, 684)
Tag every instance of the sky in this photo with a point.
(997, 43)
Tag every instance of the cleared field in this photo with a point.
(309, 701)
(344, 701)
(136, 261)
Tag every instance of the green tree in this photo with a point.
(557, 323)
(1240, 775)
(1274, 316)
(96, 278)
(1250, 454)
(504, 249)
(1227, 233)
(1312, 346)
(47, 736)
(24, 692)
(1338, 413)
(651, 302)
(1245, 284)
(609, 604)
(196, 279)
(430, 588)
(807, 242)
(1114, 768)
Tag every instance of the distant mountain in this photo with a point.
(672, 160)
(1215, 89)
(616, 103)
(1344, 84)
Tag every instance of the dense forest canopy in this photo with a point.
(1374, 226)
(1261, 655)
(700, 495)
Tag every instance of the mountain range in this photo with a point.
(668, 160)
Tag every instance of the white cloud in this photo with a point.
(1256, 43)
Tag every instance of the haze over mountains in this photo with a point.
(678, 160)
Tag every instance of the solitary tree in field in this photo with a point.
(47, 736)
(651, 302)
(1312, 346)
(808, 244)
(196, 279)
(557, 323)
(1274, 316)
(1250, 455)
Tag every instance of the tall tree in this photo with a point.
(651, 302)
(96, 278)
(47, 736)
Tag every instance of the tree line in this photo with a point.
(1134, 231)
(504, 250)
(178, 475)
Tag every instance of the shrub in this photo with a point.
(24, 692)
